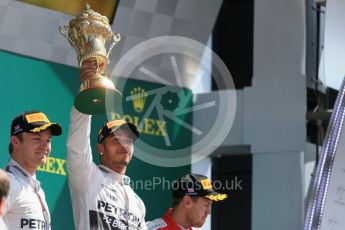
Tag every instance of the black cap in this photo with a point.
(111, 126)
(33, 122)
(196, 185)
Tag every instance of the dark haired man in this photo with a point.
(30, 146)
(192, 200)
(101, 195)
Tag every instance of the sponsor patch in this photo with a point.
(99, 220)
(115, 123)
(217, 197)
(206, 184)
(156, 224)
(35, 117)
(32, 224)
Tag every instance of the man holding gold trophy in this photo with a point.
(101, 195)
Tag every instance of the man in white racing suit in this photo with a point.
(30, 145)
(101, 195)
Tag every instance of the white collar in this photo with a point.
(182, 228)
(15, 168)
(122, 179)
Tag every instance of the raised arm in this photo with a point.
(79, 155)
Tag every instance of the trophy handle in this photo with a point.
(64, 31)
(116, 37)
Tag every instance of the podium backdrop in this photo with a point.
(29, 84)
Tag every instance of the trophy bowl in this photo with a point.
(89, 34)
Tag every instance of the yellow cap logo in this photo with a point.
(217, 197)
(35, 117)
(206, 184)
(115, 123)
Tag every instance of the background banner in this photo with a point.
(30, 84)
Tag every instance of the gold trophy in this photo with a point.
(88, 34)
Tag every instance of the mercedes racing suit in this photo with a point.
(26, 207)
(101, 198)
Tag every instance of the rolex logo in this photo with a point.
(139, 96)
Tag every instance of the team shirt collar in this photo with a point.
(16, 169)
(122, 179)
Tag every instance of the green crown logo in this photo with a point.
(139, 97)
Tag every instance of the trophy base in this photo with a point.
(94, 101)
